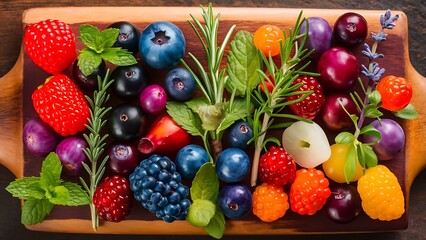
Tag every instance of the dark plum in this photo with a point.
(128, 37)
(344, 203)
(333, 114)
(239, 133)
(350, 29)
(235, 200)
(71, 153)
(123, 158)
(129, 81)
(39, 138)
(153, 99)
(89, 82)
(180, 85)
(319, 36)
(127, 122)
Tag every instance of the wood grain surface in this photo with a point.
(411, 232)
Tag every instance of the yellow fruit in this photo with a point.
(381, 194)
(334, 166)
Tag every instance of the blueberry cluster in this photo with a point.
(158, 186)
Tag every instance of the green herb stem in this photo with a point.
(258, 150)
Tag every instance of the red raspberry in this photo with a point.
(270, 202)
(277, 166)
(51, 45)
(309, 191)
(113, 199)
(61, 104)
(310, 106)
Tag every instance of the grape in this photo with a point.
(39, 138)
(319, 35)
(344, 203)
(70, 152)
(123, 158)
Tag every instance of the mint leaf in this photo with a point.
(118, 56)
(350, 163)
(235, 112)
(51, 169)
(90, 36)
(344, 138)
(216, 226)
(211, 115)
(60, 195)
(201, 212)
(205, 184)
(109, 37)
(78, 197)
(19, 187)
(185, 118)
(88, 61)
(242, 63)
(35, 211)
(407, 113)
(36, 191)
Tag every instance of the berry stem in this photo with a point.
(258, 150)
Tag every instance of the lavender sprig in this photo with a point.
(387, 21)
(374, 74)
(371, 55)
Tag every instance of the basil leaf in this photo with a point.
(118, 56)
(185, 118)
(19, 187)
(350, 163)
(344, 138)
(369, 130)
(374, 97)
(205, 184)
(216, 226)
(78, 196)
(35, 211)
(201, 212)
(370, 156)
(88, 61)
(407, 113)
(371, 111)
(51, 169)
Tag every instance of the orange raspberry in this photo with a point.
(270, 202)
(309, 191)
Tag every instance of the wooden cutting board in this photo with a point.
(16, 109)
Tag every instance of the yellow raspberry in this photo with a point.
(270, 202)
(381, 194)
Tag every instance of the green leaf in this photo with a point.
(350, 163)
(407, 113)
(36, 191)
(88, 61)
(369, 130)
(374, 97)
(361, 156)
(211, 115)
(205, 184)
(78, 197)
(109, 37)
(118, 56)
(201, 212)
(371, 111)
(242, 63)
(216, 226)
(51, 169)
(235, 112)
(89, 35)
(185, 118)
(35, 211)
(19, 187)
(344, 138)
(60, 195)
(370, 156)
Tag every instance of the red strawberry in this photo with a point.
(113, 199)
(310, 106)
(277, 167)
(51, 45)
(61, 104)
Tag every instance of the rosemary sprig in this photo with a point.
(96, 142)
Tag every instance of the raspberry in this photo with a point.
(381, 194)
(158, 186)
(309, 191)
(310, 106)
(113, 199)
(270, 202)
(277, 166)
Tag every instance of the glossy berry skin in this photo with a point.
(235, 200)
(350, 29)
(129, 81)
(344, 203)
(51, 45)
(180, 85)
(309, 191)
(232, 165)
(277, 167)
(162, 45)
(396, 92)
(319, 36)
(127, 122)
(128, 38)
(238, 135)
(153, 99)
(392, 141)
(71, 153)
(189, 159)
(270, 202)
(310, 106)
(123, 158)
(113, 199)
(60, 103)
(339, 69)
(268, 38)
(334, 167)
(88, 82)
(39, 138)
(334, 116)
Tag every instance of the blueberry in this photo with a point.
(232, 165)
(239, 133)
(174, 198)
(129, 81)
(189, 159)
(235, 200)
(180, 85)
(148, 182)
(128, 37)
(172, 210)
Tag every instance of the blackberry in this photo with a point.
(158, 187)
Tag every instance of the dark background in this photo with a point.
(10, 43)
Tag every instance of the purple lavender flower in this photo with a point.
(368, 53)
(379, 37)
(387, 21)
(375, 74)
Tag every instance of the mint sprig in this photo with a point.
(99, 46)
(42, 193)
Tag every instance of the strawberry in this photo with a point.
(113, 199)
(61, 104)
(310, 106)
(309, 191)
(51, 45)
(277, 166)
